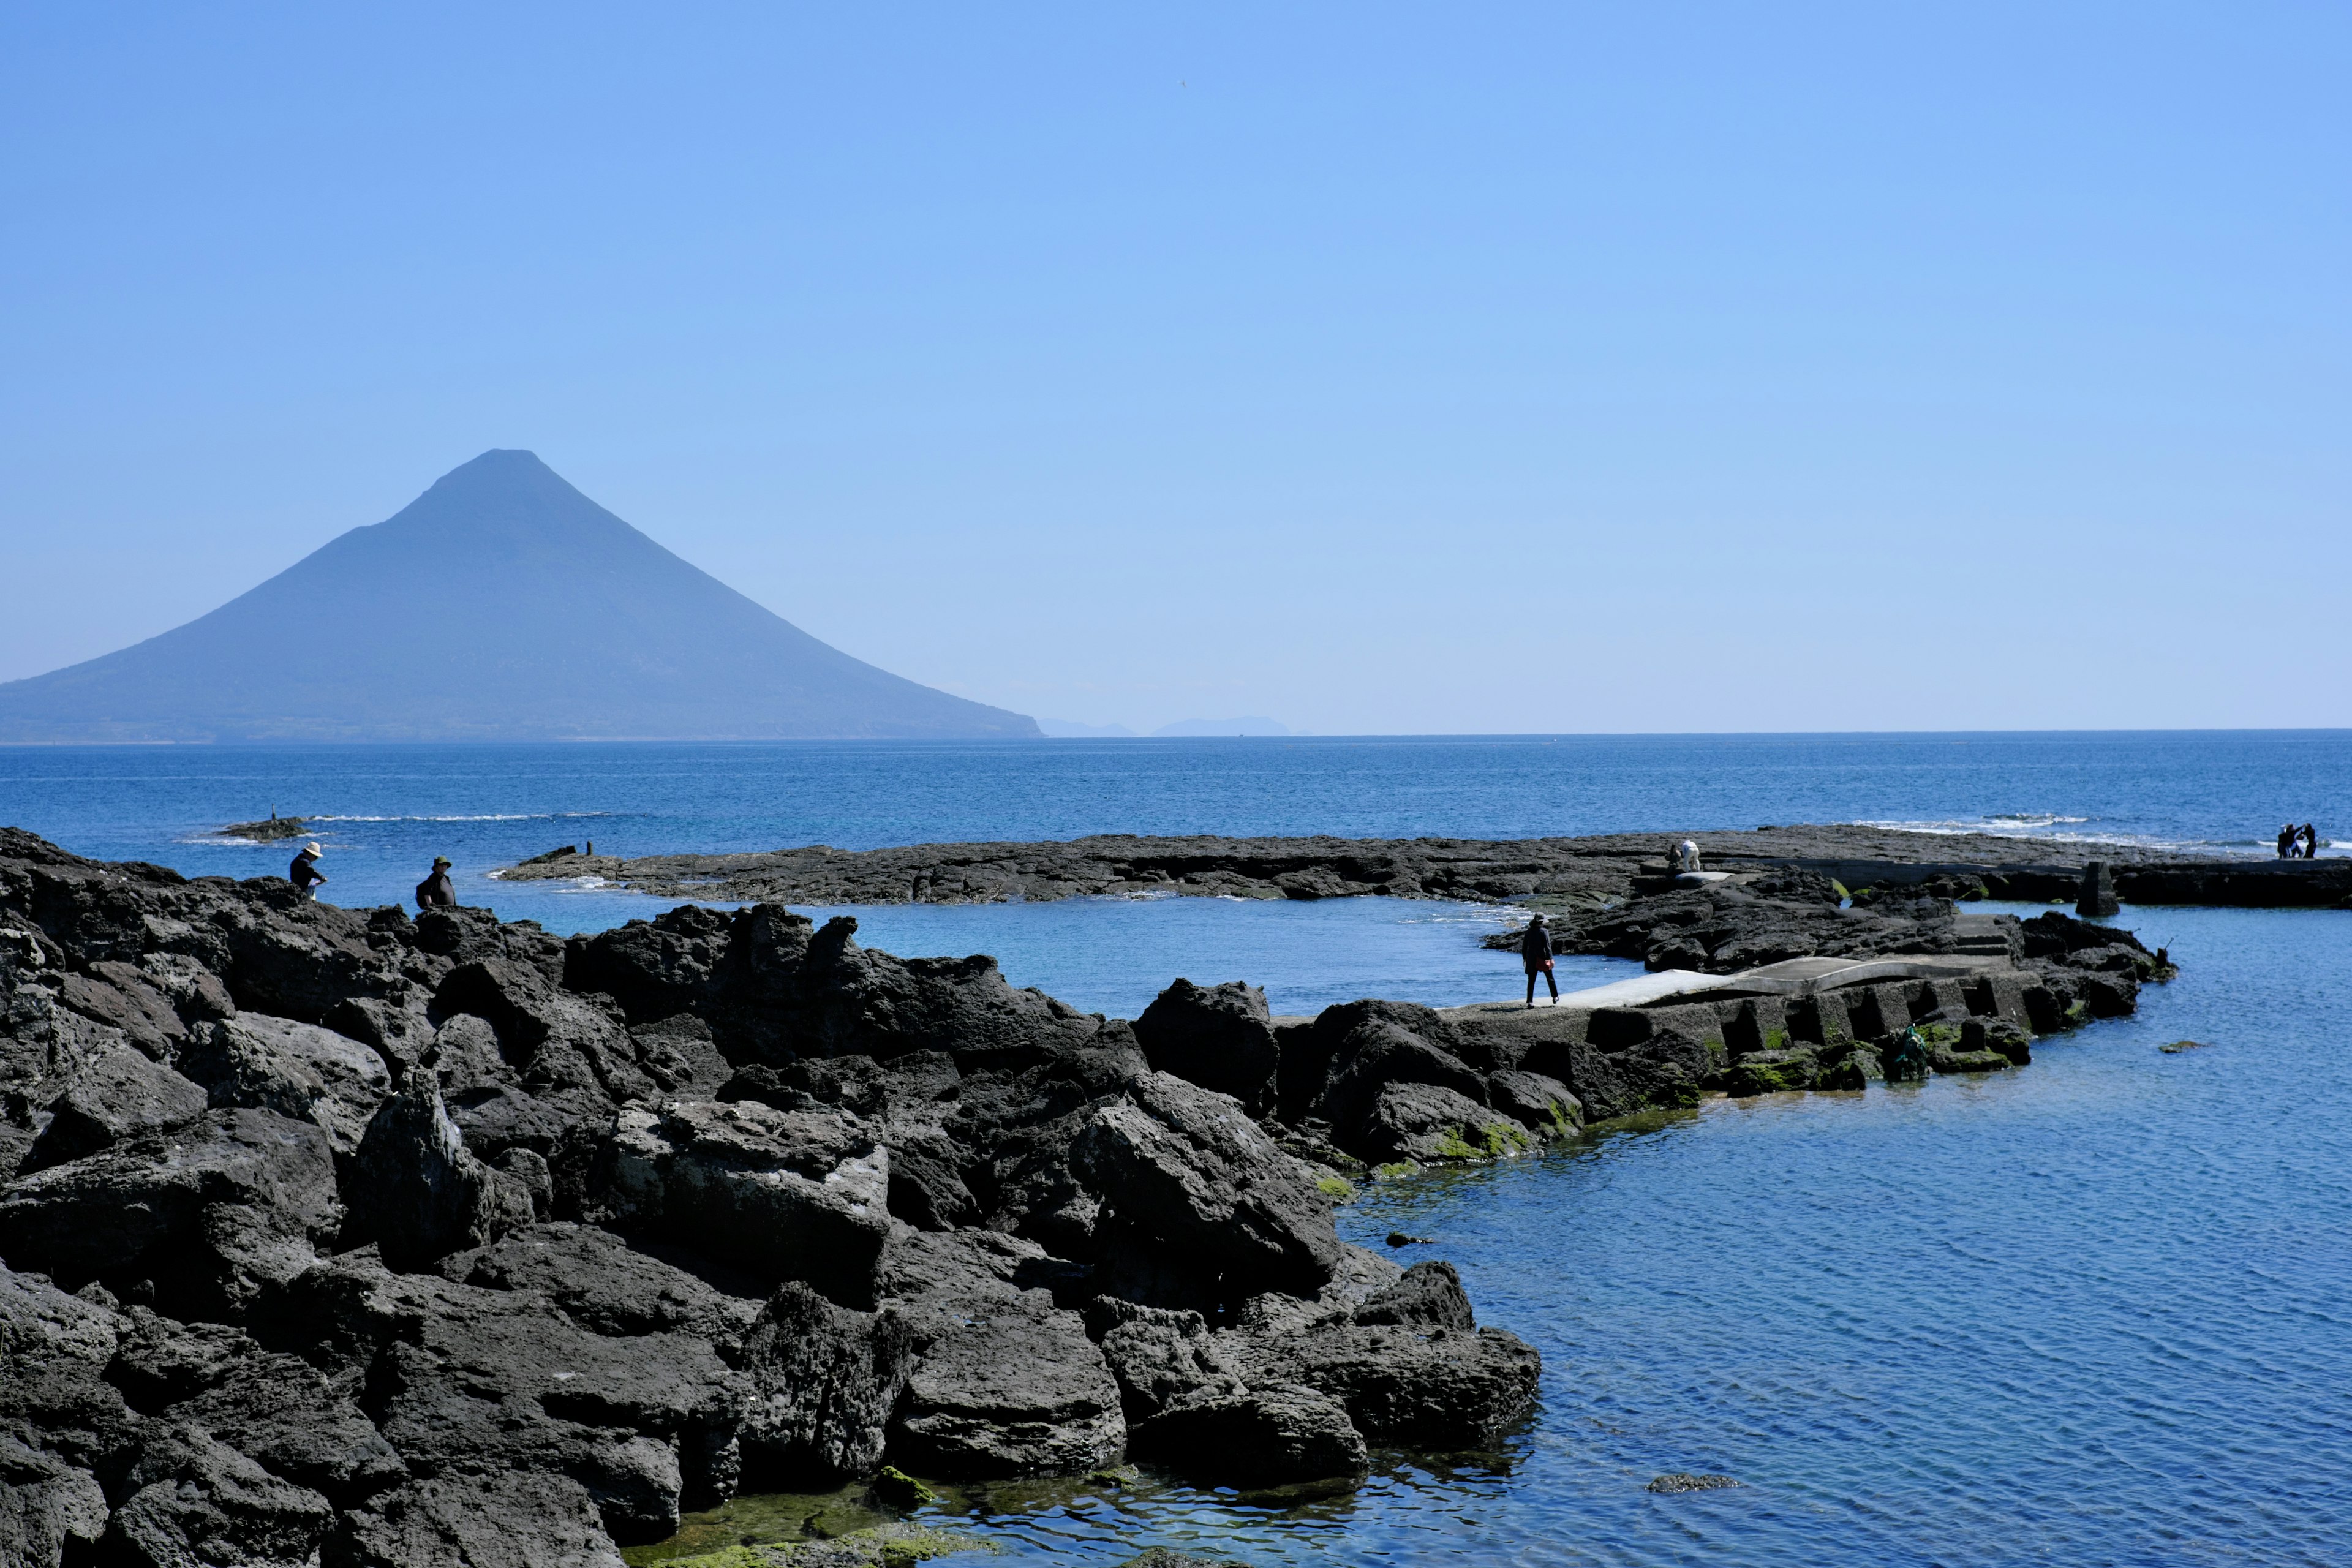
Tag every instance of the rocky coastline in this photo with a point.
(339, 1236)
(1545, 873)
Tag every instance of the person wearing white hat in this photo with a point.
(304, 873)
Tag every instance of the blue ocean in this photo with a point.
(2096, 1312)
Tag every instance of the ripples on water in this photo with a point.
(2090, 1312)
(2095, 1312)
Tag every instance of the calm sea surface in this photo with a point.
(2095, 1311)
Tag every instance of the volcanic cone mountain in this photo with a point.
(501, 604)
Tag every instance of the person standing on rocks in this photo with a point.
(436, 891)
(1535, 949)
(304, 873)
(2287, 841)
(2310, 842)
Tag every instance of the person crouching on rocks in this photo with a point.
(436, 892)
(1535, 949)
(304, 873)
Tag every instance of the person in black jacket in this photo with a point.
(434, 891)
(2310, 842)
(1535, 949)
(304, 873)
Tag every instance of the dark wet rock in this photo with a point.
(192, 1500)
(480, 1519)
(1168, 1557)
(854, 1083)
(787, 990)
(1158, 1355)
(1020, 1391)
(1220, 1038)
(936, 1279)
(117, 1095)
(1429, 1296)
(298, 1423)
(297, 1070)
(502, 1118)
(799, 1194)
(400, 1033)
(1722, 929)
(205, 1216)
(465, 1056)
(1422, 1121)
(604, 1283)
(415, 1190)
(532, 1389)
(656, 968)
(823, 1383)
(1773, 1072)
(927, 1186)
(1270, 1435)
(921, 1080)
(53, 1399)
(1668, 1069)
(1566, 876)
(1019, 1129)
(531, 1175)
(459, 936)
(1380, 1050)
(119, 997)
(554, 1040)
(502, 1380)
(50, 1513)
(1848, 1065)
(1543, 1105)
(1189, 1184)
(1681, 1481)
(1406, 1363)
(681, 1055)
(160, 1361)
(2000, 1035)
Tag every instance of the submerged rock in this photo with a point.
(1266, 1435)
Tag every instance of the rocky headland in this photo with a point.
(339, 1236)
(1542, 872)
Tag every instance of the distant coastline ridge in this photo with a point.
(501, 604)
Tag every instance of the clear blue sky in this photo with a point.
(1377, 368)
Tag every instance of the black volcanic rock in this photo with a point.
(319, 1312)
(500, 605)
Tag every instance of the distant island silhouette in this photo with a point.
(501, 604)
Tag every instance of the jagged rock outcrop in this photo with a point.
(417, 1192)
(405, 1241)
(1219, 1036)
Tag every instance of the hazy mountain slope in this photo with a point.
(500, 605)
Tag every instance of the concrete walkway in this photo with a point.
(1791, 977)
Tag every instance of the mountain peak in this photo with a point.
(502, 604)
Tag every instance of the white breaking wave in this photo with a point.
(482, 817)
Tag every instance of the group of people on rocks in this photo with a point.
(2298, 843)
(434, 891)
